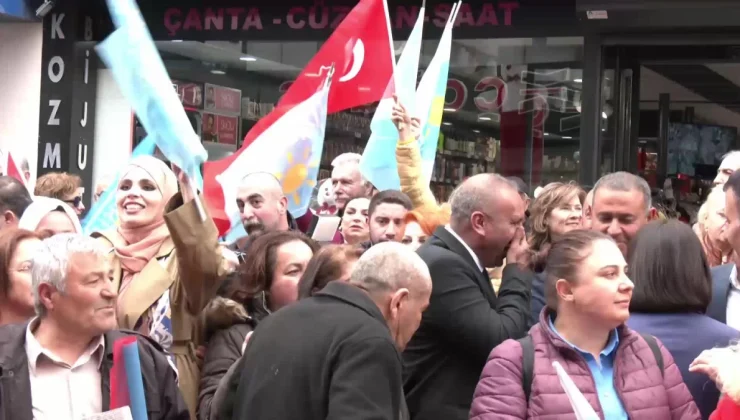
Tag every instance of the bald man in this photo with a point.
(466, 319)
(262, 204)
(336, 355)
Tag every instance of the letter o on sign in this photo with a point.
(55, 77)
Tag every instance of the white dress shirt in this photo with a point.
(470, 250)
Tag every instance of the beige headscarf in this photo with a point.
(136, 246)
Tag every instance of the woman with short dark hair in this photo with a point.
(673, 287)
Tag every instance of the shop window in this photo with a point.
(512, 105)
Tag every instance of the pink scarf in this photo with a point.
(136, 246)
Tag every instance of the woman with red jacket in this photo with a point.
(622, 375)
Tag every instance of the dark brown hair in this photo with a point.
(669, 269)
(565, 258)
(327, 265)
(9, 240)
(258, 267)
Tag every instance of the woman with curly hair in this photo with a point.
(557, 210)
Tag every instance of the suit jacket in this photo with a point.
(720, 290)
(464, 322)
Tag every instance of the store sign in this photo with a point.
(220, 129)
(223, 100)
(68, 92)
(312, 20)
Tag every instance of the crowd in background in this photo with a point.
(415, 310)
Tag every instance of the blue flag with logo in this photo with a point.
(104, 214)
(430, 98)
(378, 163)
(139, 71)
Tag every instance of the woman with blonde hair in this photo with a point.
(557, 210)
(711, 222)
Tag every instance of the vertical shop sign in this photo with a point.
(68, 91)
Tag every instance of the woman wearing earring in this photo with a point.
(354, 225)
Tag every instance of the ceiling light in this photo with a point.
(547, 134)
(578, 80)
(218, 72)
(177, 40)
(484, 118)
(450, 110)
(604, 115)
(567, 137)
(247, 58)
(446, 123)
(476, 131)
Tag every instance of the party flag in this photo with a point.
(288, 144)
(126, 383)
(139, 71)
(378, 163)
(430, 97)
(104, 214)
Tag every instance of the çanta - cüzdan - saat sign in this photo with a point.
(315, 20)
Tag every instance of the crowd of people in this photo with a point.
(416, 309)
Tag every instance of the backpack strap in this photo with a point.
(527, 364)
(655, 348)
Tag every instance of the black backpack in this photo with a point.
(528, 359)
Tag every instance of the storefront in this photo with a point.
(531, 90)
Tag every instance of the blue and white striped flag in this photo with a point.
(104, 215)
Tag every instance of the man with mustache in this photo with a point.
(262, 204)
(61, 361)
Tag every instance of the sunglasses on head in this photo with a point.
(75, 202)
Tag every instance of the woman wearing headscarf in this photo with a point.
(50, 215)
(166, 262)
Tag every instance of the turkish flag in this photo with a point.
(13, 170)
(361, 49)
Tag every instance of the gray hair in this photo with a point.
(625, 181)
(731, 154)
(473, 194)
(50, 263)
(350, 157)
(389, 266)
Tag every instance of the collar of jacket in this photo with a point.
(354, 296)
(626, 335)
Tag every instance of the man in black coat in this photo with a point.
(466, 319)
(336, 355)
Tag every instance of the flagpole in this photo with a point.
(390, 40)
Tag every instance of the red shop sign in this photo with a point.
(223, 100)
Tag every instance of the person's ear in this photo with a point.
(398, 299)
(46, 292)
(564, 290)
(9, 218)
(283, 204)
(653, 215)
(477, 222)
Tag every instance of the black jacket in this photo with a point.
(721, 286)
(226, 325)
(464, 322)
(163, 399)
(329, 356)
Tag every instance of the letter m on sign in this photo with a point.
(52, 156)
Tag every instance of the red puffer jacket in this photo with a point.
(645, 393)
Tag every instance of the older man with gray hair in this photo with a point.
(621, 206)
(346, 179)
(466, 319)
(61, 360)
(337, 354)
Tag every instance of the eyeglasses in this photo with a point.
(75, 202)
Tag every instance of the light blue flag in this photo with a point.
(104, 214)
(378, 163)
(136, 65)
(430, 98)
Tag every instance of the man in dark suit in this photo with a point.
(725, 305)
(465, 319)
